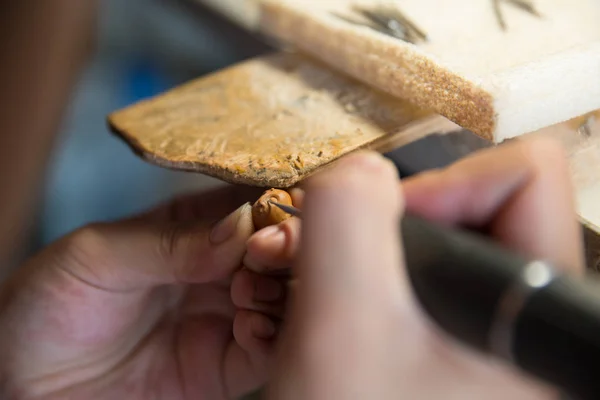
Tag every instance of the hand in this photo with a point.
(138, 309)
(354, 329)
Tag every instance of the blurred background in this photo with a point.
(144, 47)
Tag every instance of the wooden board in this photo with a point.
(498, 83)
(268, 122)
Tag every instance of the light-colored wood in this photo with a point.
(268, 122)
(499, 84)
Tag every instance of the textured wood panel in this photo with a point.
(267, 122)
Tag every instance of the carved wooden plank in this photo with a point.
(268, 122)
(498, 83)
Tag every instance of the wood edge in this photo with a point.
(222, 174)
(548, 63)
(475, 110)
(403, 135)
(407, 134)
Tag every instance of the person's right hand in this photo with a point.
(353, 329)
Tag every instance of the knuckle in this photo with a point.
(167, 243)
(365, 169)
(181, 249)
(88, 243)
(545, 146)
(240, 289)
(534, 152)
(292, 231)
(84, 253)
(353, 170)
(544, 152)
(170, 239)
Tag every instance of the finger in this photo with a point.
(350, 254)
(521, 193)
(254, 292)
(253, 330)
(297, 195)
(201, 300)
(248, 357)
(140, 253)
(272, 249)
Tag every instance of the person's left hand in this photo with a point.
(138, 309)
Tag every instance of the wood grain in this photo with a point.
(268, 122)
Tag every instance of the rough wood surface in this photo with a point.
(268, 122)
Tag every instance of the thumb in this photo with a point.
(351, 253)
(143, 252)
(350, 283)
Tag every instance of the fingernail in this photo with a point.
(264, 245)
(267, 290)
(226, 228)
(264, 328)
(270, 233)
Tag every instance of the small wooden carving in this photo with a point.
(266, 214)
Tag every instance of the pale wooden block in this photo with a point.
(499, 84)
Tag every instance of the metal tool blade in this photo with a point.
(288, 209)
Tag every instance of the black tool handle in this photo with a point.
(462, 280)
(557, 336)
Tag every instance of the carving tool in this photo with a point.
(524, 311)
(288, 209)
